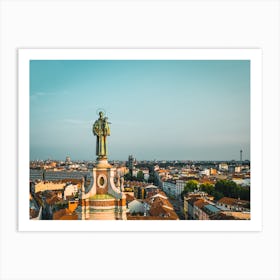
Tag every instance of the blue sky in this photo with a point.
(185, 110)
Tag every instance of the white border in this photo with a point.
(254, 55)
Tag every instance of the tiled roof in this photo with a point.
(129, 197)
(211, 209)
(240, 215)
(231, 216)
(192, 200)
(232, 201)
(64, 214)
(159, 200)
(159, 194)
(160, 211)
(162, 171)
(161, 207)
(204, 181)
(52, 200)
(200, 203)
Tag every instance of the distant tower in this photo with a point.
(130, 164)
(68, 160)
(241, 155)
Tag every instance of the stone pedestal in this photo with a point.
(102, 200)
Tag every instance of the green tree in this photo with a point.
(211, 190)
(231, 189)
(127, 177)
(140, 176)
(245, 193)
(152, 179)
(227, 188)
(191, 186)
(217, 195)
(208, 188)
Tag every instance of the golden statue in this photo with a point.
(101, 129)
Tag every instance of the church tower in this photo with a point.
(102, 199)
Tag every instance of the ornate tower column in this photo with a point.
(102, 200)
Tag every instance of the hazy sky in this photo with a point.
(186, 110)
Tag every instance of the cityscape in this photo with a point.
(160, 190)
(122, 174)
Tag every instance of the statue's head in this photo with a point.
(101, 114)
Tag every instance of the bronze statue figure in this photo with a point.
(101, 129)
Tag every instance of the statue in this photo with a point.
(101, 129)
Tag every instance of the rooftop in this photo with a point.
(232, 201)
(211, 208)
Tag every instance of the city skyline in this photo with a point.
(163, 110)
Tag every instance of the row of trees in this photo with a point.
(220, 189)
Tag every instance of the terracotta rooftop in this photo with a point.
(232, 201)
(162, 171)
(53, 199)
(240, 215)
(161, 207)
(231, 216)
(200, 203)
(158, 210)
(151, 193)
(64, 214)
(204, 181)
(159, 200)
(129, 197)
